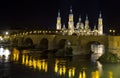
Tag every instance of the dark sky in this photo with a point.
(43, 13)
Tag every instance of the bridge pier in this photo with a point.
(114, 45)
(51, 45)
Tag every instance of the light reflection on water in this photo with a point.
(4, 54)
(66, 68)
(98, 50)
(62, 67)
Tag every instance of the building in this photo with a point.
(80, 28)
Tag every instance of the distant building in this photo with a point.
(80, 28)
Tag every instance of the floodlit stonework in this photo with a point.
(80, 28)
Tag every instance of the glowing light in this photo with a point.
(26, 61)
(56, 31)
(56, 68)
(6, 53)
(46, 67)
(113, 30)
(80, 75)
(1, 38)
(97, 74)
(43, 64)
(84, 74)
(64, 70)
(30, 62)
(60, 71)
(30, 32)
(39, 65)
(69, 73)
(23, 59)
(73, 72)
(93, 75)
(34, 64)
(1, 51)
(35, 31)
(15, 54)
(6, 33)
(110, 74)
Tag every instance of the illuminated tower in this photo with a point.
(58, 25)
(78, 23)
(100, 25)
(86, 23)
(79, 19)
(71, 22)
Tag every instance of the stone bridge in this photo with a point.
(79, 44)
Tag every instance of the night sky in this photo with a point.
(42, 13)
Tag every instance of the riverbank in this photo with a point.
(109, 58)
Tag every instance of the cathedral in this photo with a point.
(80, 28)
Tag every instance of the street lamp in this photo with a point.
(113, 32)
(110, 30)
(6, 33)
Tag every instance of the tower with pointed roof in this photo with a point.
(58, 25)
(100, 24)
(71, 22)
(78, 23)
(80, 28)
(86, 23)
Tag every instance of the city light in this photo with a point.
(1, 38)
(4, 53)
(112, 31)
(37, 41)
(6, 33)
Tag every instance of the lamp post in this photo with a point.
(6, 37)
(112, 32)
(6, 33)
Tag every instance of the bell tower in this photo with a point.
(86, 23)
(71, 22)
(100, 24)
(58, 25)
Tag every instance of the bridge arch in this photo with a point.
(95, 47)
(28, 42)
(75, 34)
(92, 42)
(15, 42)
(43, 45)
(63, 43)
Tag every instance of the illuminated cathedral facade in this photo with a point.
(80, 28)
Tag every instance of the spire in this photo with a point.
(58, 24)
(100, 15)
(95, 27)
(86, 17)
(58, 13)
(86, 23)
(100, 24)
(64, 26)
(71, 9)
(79, 18)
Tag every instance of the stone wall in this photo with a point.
(80, 44)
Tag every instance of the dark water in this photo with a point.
(34, 65)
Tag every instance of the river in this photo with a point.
(16, 63)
